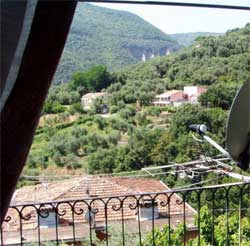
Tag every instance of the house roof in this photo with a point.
(93, 95)
(86, 187)
(95, 190)
(195, 86)
(169, 93)
(43, 192)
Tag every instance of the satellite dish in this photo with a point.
(238, 127)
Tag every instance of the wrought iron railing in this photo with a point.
(214, 215)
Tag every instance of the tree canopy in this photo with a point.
(95, 79)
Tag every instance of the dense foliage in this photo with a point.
(209, 60)
(161, 237)
(219, 95)
(222, 63)
(95, 79)
(136, 134)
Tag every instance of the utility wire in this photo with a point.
(194, 184)
(131, 176)
(123, 174)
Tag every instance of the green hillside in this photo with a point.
(109, 37)
(210, 60)
(186, 39)
(135, 133)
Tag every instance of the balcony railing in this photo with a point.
(213, 215)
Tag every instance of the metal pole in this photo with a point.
(217, 146)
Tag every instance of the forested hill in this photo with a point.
(210, 60)
(136, 134)
(112, 38)
(186, 39)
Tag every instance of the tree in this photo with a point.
(185, 116)
(219, 95)
(62, 94)
(141, 119)
(102, 161)
(99, 106)
(113, 137)
(95, 79)
(76, 108)
(161, 237)
(53, 108)
(72, 145)
(100, 122)
(128, 112)
(160, 152)
(220, 230)
(78, 131)
(165, 236)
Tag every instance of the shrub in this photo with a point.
(100, 121)
(76, 108)
(114, 109)
(153, 111)
(102, 161)
(113, 137)
(128, 112)
(53, 108)
(78, 131)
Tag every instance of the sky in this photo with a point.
(186, 19)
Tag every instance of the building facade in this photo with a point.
(189, 94)
(89, 98)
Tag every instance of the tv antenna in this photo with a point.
(238, 130)
(237, 142)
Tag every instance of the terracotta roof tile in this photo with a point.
(92, 188)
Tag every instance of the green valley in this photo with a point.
(135, 133)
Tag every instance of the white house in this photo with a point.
(169, 97)
(189, 94)
(89, 98)
(193, 92)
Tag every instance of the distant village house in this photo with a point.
(189, 94)
(170, 97)
(89, 98)
(193, 92)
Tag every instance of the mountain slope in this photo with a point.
(110, 37)
(130, 137)
(187, 39)
(221, 59)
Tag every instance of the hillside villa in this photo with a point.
(70, 202)
(193, 92)
(170, 97)
(89, 98)
(189, 94)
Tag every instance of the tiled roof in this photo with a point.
(46, 191)
(94, 94)
(140, 185)
(92, 188)
(169, 93)
(86, 187)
